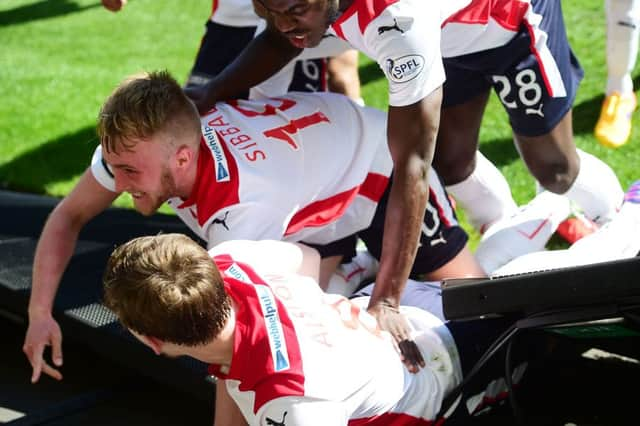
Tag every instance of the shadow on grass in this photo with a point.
(501, 152)
(54, 161)
(41, 10)
(370, 72)
(585, 115)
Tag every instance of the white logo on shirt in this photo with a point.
(235, 271)
(219, 159)
(405, 68)
(273, 325)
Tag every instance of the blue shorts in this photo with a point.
(535, 75)
(221, 44)
(441, 238)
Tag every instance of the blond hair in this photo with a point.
(142, 106)
(166, 286)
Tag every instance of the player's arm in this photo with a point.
(263, 57)
(55, 248)
(412, 134)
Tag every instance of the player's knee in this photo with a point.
(556, 177)
(454, 168)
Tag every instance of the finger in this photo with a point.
(403, 332)
(415, 353)
(34, 354)
(411, 354)
(56, 348)
(50, 371)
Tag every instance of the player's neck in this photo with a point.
(219, 351)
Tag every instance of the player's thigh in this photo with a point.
(344, 248)
(538, 86)
(460, 119)
(462, 265)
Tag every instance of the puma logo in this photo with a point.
(395, 26)
(440, 240)
(270, 421)
(537, 111)
(222, 221)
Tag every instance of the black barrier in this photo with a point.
(77, 306)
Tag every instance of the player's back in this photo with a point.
(299, 353)
(310, 163)
(345, 356)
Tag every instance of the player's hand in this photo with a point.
(43, 331)
(202, 96)
(390, 319)
(114, 5)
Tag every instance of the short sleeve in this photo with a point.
(246, 221)
(410, 55)
(101, 171)
(302, 411)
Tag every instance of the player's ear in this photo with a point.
(154, 344)
(184, 156)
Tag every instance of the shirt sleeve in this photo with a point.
(246, 221)
(101, 170)
(409, 56)
(302, 411)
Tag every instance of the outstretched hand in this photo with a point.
(390, 319)
(43, 331)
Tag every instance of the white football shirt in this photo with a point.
(306, 167)
(303, 357)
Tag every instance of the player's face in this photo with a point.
(303, 22)
(143, 172)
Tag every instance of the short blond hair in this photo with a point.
(143, 105)
(167, 287)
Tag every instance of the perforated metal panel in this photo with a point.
(94, 315)
(15, 264)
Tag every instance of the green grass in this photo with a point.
(61, 58)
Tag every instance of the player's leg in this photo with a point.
(220, 45)
(623, 29)
(442, 251)
(484, 195)
(617, 239)
(476, 184)
(342, 278)
(527, 230)
(537, 91)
